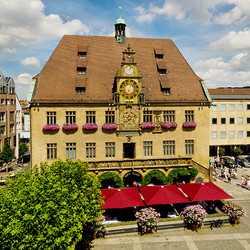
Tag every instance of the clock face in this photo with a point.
(129, 89)
(129, 70)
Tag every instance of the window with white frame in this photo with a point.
(223, 107)
(110, 149)
(51, 151)
(240, 134)
(169, 116)
(90, 150)
(214, 107)
(147, 148)
(147, 116)
(231, 107)
(2, 116)
(70, 117)
(110, 116)
(231, 134)
(51, 118)
(240, 120)
(90, 116)
(168, 147)
(189, 115)
(189, 147)
(214, 135)
(223, 134)
(71, 150)
(240, 107)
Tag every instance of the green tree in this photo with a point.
(49, 208)
(221, 151)
(156, 176)
(7, 153)
(23, 148)
(110, 178)
(237, 151)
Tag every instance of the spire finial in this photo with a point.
(120, 10)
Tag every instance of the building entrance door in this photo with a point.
(129, 150)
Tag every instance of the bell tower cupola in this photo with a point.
(120, 25)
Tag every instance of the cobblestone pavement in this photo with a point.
(228, 237)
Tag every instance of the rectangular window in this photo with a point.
(71, 150)
(214, 107)
(90, 150)
(147, 116)
(248, 106)
(110, 149)
(80, 90)
(248, 133)
(214, 135)
(231, 120)
(189, 147)
(82, 55)
(2, 116)
(214, 120)
(81, 70)
(51, 151)
(147, 148)
(8, 102)
(248, 120)
(223, 107)
(240, 120)
(12, 128)
(169, 116)
(223, 120)
(223, 134)
(168, 147)
(109, 116)
(240, 107)
(51, 118)
(12, 116)
(231, 107)
(162, 72)
(2, 130)
(231, 134)
(240, 134)
(90, 116)
(2, 101)
(70, 117)
(189, 115)
(159, 56)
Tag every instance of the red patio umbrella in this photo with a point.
(204, 191)
(165, 194)
(121, 198)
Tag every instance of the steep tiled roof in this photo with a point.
(230, 91)
(58, 79)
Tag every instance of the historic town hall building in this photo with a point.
(124, 105)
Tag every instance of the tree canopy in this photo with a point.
(48, 207)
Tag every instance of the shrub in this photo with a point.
(23, 148)
(234, 210)
(110, 177)
(221, 151)
(7, 153)
(237, 151)
(154, 174)
(175, 174)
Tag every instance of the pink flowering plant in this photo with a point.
(147, 219)
(68, 126)
(193, 215)
(189, 124)
(167, 125)
(234, 210)
(110, 126)
(52, 127)
(99, 227)
(89, 126)
(148, 125)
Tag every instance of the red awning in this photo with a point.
(165, 194)
(205, 191)
(121, 198)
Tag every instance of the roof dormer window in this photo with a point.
(159, 53)
(82, 54)
(81, 70)
(159, 56)
(162, 72)
(80, 90)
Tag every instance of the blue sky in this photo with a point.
(213, 35)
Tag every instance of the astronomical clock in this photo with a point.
(128, 96)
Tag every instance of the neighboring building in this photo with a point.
(7, 112)
(25, 135)
(18, 125)
(230, 120)
(131, 82)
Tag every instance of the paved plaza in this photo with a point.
(228, 237)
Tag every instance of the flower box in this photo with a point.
(109, 126)
(89, 126)
(68, 126)
(52, 127)
(148, 125)
(167, 125)
(189, 124)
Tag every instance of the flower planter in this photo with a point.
(89, 126)
(69, 126)
(167, 125)
(189, 124)
(145, 125)
(109, 126)
(52, 127)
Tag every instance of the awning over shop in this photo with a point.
(165, 194)
(205, 191)
(121, 198)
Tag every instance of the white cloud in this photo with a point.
(23, 22)
(31, 61)
(23, 79)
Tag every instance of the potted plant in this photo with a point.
(193, 216)
(51, 127)
(69, 126)
(110, 126)
(148, 125)
(167, 125)
(189, 124)
(147, 219)
(234, 211)
(89, 126)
